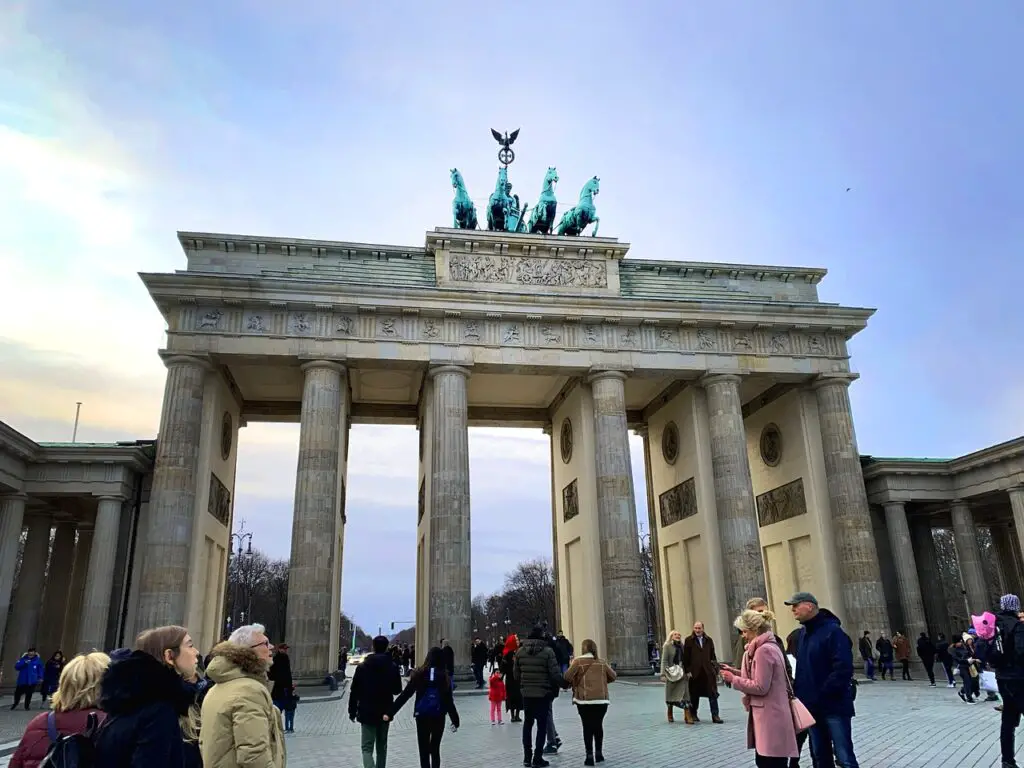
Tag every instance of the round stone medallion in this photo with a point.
(226, 436)
(670, 443)
(771, 445)
(565, 439)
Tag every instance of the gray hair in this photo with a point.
(245, 635)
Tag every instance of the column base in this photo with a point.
(644, 671)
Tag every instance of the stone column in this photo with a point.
(659, 629)
(76, 594)
(449, 582)
(863, 594)
(167, 558)
(314, 527)
(906, 570)
(1002, 541)
(28, 599)
(99, 578)
(58, 583)
(738, 530)
(12, 516)
(625, 616)
(927, 559)
(555, 547)
(968, 555)
(1017, 505)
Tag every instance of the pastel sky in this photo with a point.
(725, 131)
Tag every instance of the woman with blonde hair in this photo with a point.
(74, 703)
(766, 692)
(589, 676)
(672, 675)
(150, 702)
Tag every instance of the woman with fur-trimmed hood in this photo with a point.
(241, 726)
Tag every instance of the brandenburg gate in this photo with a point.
(735, 375)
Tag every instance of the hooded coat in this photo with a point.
(513, 693)
(824, 667)
(143, 699)
(241, 726)
(537, 670)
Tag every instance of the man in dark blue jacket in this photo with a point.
(824, 681)
(371, 697)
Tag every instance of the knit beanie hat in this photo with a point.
(1009, 603)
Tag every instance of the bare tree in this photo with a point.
(650, 596)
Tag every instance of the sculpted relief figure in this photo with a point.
(579, 273)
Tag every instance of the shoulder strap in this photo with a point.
(51, 726)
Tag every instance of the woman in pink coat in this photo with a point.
(765, 689)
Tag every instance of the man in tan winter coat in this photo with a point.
(240, 725)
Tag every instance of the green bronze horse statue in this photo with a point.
(462, 207)
(575, 220)
(542, 220)
(502, 206)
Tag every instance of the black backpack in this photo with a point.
(76, 750)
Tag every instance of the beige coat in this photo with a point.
(240, 725)
(678, 691)
(589, 678)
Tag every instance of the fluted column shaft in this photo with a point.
(99, 578)
(734, 495)
(28, 599)
(311, 584)
(12, 518)
(906, 570)
(927, 559)
(163, 586)
(859, 572)
(968, 555)
(58, 582)
(1017, 505)
(76, 593)
(625, 617)
(450, 589)
(1004, 545)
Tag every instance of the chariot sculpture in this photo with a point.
(506, 213)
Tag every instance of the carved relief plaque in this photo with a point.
(478, 268)
(781, 503)
(219, 505)
(771, 445)
(570, 501)
(421, 503)
(227, 435)
(565, 439)
(678, 503)
(670, 443)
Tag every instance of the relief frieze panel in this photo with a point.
(782, 503)
(532, 332)
(575, 273)
(678, 502)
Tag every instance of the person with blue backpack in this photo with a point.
(432, 686)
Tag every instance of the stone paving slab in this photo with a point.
(904, 725)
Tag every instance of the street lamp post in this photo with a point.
(242, 537)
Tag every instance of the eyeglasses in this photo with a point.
(261, 645)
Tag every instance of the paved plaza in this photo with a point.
(899, 725)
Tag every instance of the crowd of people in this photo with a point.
(160, 703)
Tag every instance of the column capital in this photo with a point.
(547, 428)
(960, 503)
(834, 379)
(331, 365)
(895, 504)
(16, 496)
(436, 370)
(178, 358)
(719, 378)
(1016, 490)
(606, 373)
(111, 497)
(642, 431)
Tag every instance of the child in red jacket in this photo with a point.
(496, 695)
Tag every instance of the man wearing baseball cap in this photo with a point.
(824, 681)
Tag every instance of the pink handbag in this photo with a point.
(802, 717)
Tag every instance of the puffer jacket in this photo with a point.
(35, 742)
(241, 726)
(589, 678)
(537, 671)
(143, 700)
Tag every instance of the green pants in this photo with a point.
(375, 736)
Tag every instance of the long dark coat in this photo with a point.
(700, 662)
(513, 693)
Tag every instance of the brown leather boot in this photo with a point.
(717, 719)
(670, 718)
(690, 719)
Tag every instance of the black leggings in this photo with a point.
(429, 730)
(906, 668)
(592, 719)
(770, 762)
